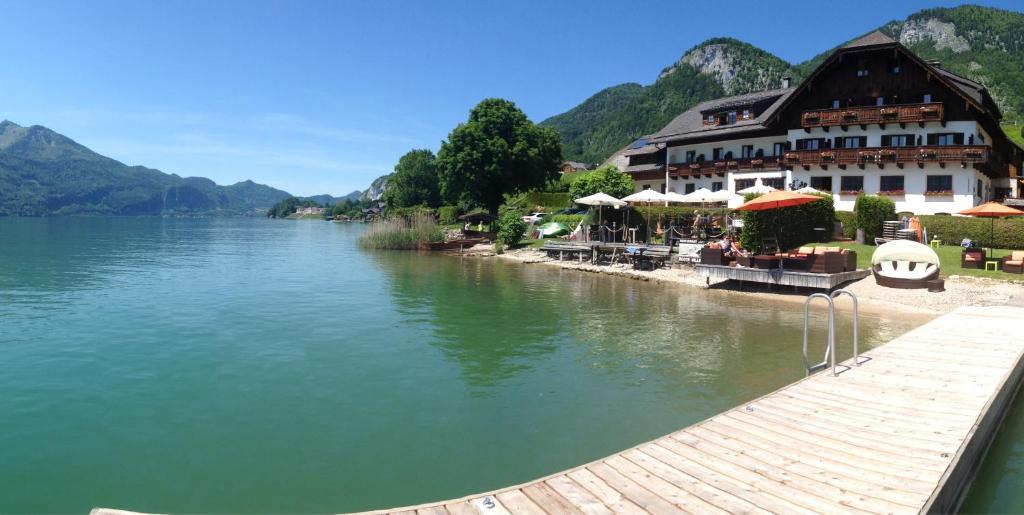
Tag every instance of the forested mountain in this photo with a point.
(45, 173)
(980, 43)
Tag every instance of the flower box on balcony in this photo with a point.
(732, 164)
(792, 156)
(812, 117)
(866, 157)
(939, 193)
(694, 166)
(929, 110)
(756, 163)
(828, 157)
(927, 153)
(973, 153)
(720, 164)
(851, 192)
(891, 193)
(850, 115)
(889, 112)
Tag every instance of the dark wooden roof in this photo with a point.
(690, 124)
(873, 39)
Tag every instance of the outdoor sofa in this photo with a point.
(1014, 263)
(904, 264)
(972, 258)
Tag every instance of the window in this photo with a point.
(822, 183)
(744, 183)
(810, 143)
(778, 183)
(716, 186)
(647, 186)
(691, 155)
(927, 97)
(778, 149)
(851, 183)
(747, 151)
(835, 104)
(663, 187)
(891, 183)
(978, 193)
(879, 101)
(951, 138)
(894, 67)
(747, 114)
(940, 183)
(710, 120)
(731, 117)
(716, 154)
(862, 68)
(897, 140)
(690, 187)
(851, 141)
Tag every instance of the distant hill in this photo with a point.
(981, 43)
(45, 173)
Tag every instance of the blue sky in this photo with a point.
(322, 97)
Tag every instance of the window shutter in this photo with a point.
(958, 138)
(863, 141)
(839, 142)
(932, 139)
(886, 140)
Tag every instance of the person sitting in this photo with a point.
(726, 245)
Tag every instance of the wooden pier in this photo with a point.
(904, 432)
(777, 277)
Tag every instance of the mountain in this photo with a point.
(376, 189)
(980, 43)
(45, 173)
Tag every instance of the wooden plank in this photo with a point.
(461, 508)
(719, 499)
(432, 510)
(579, 496)
(632, 490)
(516, 501)
(603, 491)
(664, 489)
(550, 500)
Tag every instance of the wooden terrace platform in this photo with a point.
(778, 277)
(902, 433)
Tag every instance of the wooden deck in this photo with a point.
(902, 433)
(778, 277)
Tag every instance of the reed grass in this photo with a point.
(402, 233)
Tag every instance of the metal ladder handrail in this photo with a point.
(830, 342)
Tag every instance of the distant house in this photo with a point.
(575, 166)
(309, 211)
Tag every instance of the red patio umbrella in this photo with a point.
(778, 199)
(992, 210)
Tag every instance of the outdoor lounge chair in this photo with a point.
(904, 264)
(972, 258)
(1014, 263)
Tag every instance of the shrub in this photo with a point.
(447, 215)
(511, 227)
(794, 226)
(869, 213)
(402, 233)
(849, 224)
(409, 213)
(1009, 232)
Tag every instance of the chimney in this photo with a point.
(935, 63)
(785, 82)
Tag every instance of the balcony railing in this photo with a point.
(884, 155)
(720, 167)
(897, 113)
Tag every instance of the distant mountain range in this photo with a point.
(45, 173)
(980, 43)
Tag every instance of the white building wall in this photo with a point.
(874, 133)
(678, 154)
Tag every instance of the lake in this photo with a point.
(249, 365)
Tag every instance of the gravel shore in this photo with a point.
(960, 290)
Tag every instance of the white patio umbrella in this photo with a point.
(700, 196)
(807, 190)
(724, 196)
(645, 197)
(758, 187)
(676, 198)
(600, 199)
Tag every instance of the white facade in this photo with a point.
(969, 186)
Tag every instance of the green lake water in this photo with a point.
(247, 365)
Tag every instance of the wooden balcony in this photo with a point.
(896, 113)
(882, 156)
(720, 167)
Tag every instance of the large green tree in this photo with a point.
(607, 179)
(414, 182)
(497, 151)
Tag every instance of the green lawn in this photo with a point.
(949, 259)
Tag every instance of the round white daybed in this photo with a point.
(904, 264)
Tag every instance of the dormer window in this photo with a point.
(746, 114)
(835, 104)
(731, 117)
(710, 120)
(926, 98)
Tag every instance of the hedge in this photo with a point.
(550, 200)
(794, 226)
(869, 213)
(849, 224)
(447, 215)
(1009, 232)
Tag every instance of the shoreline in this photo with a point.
(960, 290)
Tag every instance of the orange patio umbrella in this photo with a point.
(992, 210)
(778, 199)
